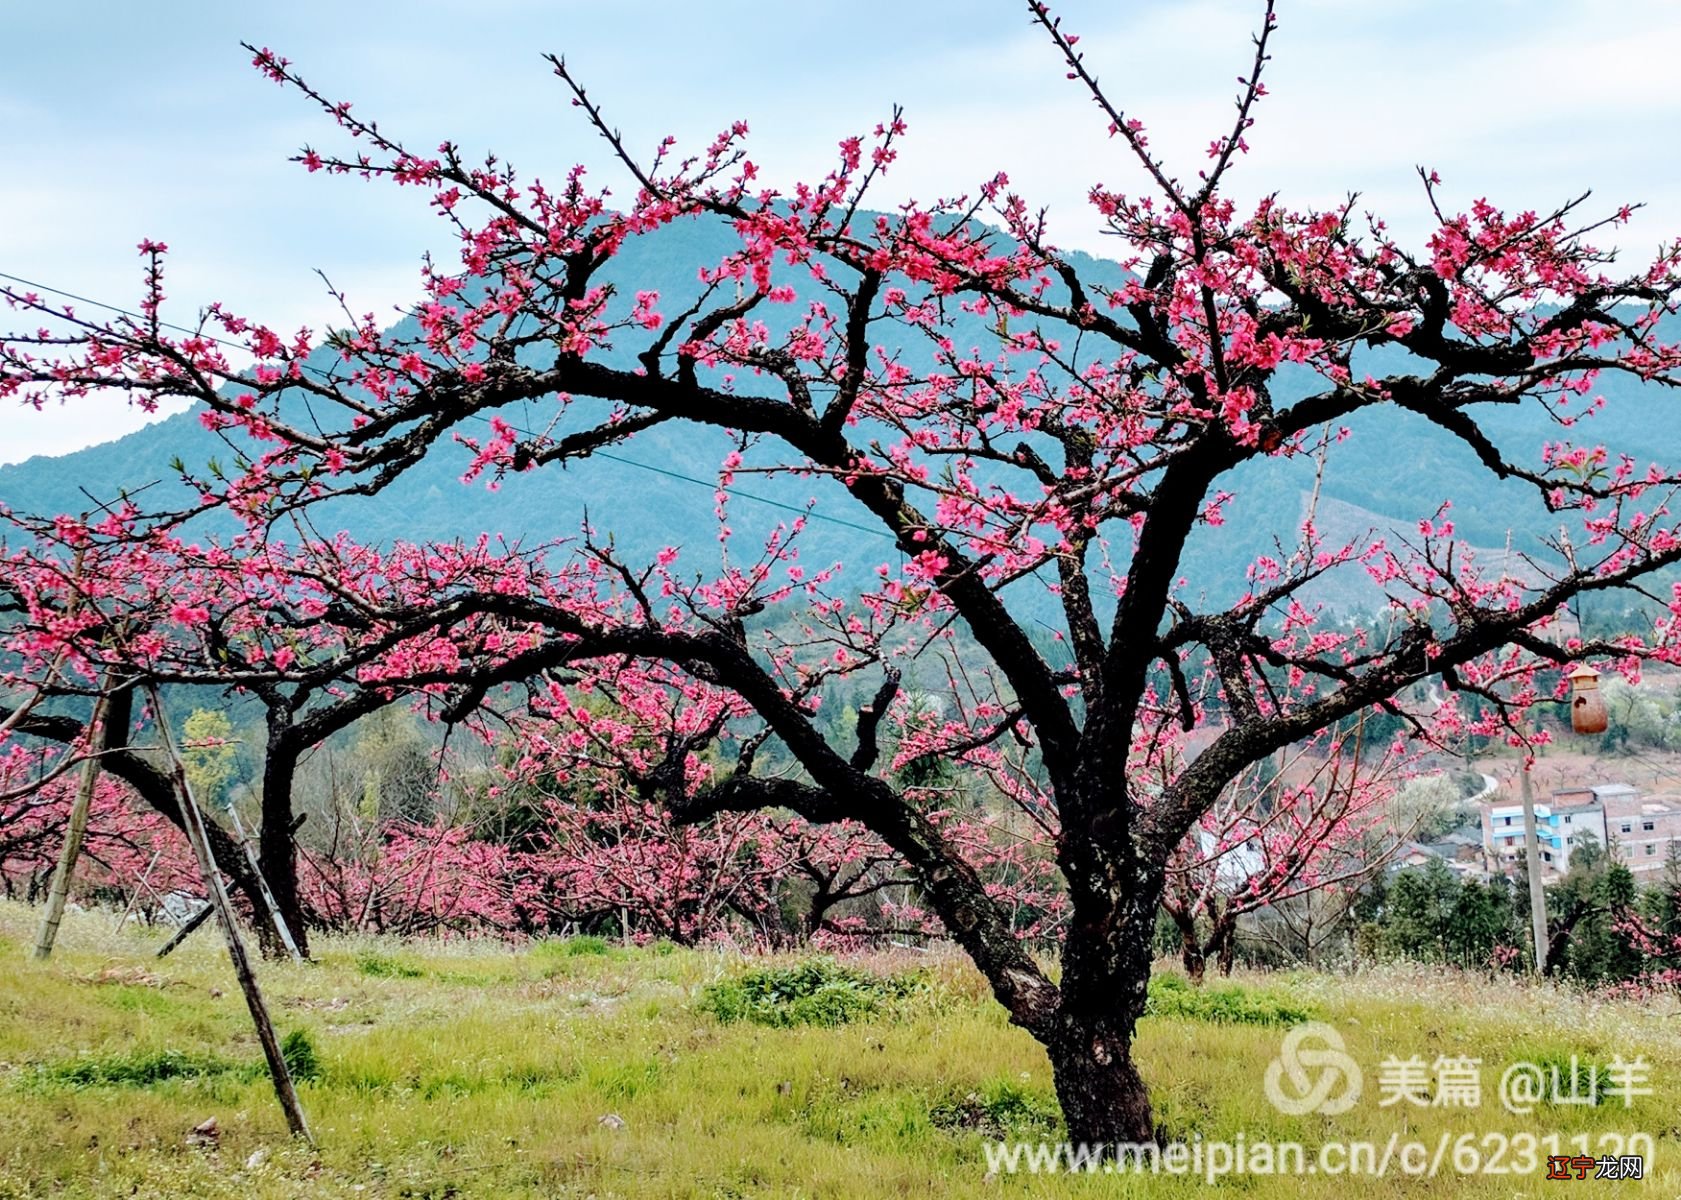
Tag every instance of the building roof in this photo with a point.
(1459, 837)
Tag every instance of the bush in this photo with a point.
(815, 992)
(383, 966)
(136, 1070)
(300, 1057)
(560, 956)
(584, 945)
(1171, 996)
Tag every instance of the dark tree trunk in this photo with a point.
(1103, 1098)
(817, 911)
(277, 849)
(1190, 946)
(1105, 983)
(1225, 948)
(1195, 961)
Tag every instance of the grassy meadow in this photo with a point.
(588, 1069)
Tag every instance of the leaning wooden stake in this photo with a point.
(202, 915)
(192, 820)
(274, 913)
(59, 890)
(142, 884)
(186, 931)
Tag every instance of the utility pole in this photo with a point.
(1531, 843)
(1532, 853)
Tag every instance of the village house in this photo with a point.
(1639, 831)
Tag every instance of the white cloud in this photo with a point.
(88, 422)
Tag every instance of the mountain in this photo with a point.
(1393, 469)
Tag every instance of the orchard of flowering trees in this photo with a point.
(1052, 432)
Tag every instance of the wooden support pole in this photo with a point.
(193, 821)
(59, 890)
(266, 897)
(203, 914)
(140, 886)
(187, 930)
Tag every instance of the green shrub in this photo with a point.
(1230, 1004)
(815, 992)
(584, 944)
(299, 1053)
(383, 966)
(552, 953)
(136, 1070)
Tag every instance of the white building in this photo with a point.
(1559, 828)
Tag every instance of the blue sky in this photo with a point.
(121, 121)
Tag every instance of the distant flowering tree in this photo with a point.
(1049, 426)
(35, 794)
(1659, 951)
(321, 632)
(403, 878)
(844, 872)
(126, 841)
(1271, 836)
(616, 859)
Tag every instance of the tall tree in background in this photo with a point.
(211, 759)
(1052, 429)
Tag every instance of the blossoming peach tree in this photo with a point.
(1049, 426)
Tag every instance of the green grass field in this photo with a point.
(471, 1069)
